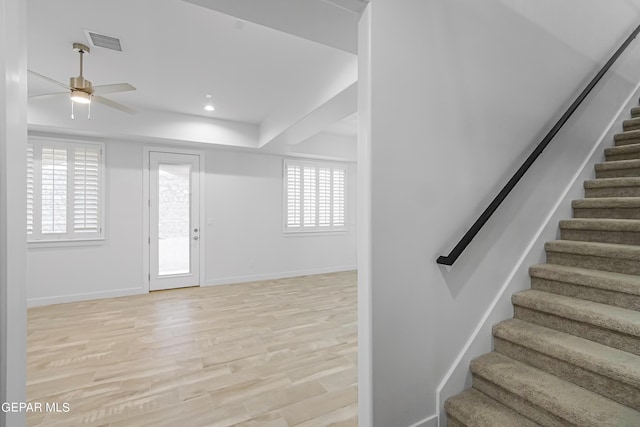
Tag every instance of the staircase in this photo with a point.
(570, 356)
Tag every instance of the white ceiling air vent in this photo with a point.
(101, 40)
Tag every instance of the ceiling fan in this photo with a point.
(82, 91)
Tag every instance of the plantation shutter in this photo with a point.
(309, 196)
(314, 196)
(64, 190)
(338, 216)
(30, 189)
(294, 183)
(86, 180)
(54, 190)
(324, 197)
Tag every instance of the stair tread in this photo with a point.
(618, 164)
(606, 203)
(604, 360)
(474, 408)
(576, 405)
(622, 149)
(625, 283)
(603, 315)
(632, 120)
(608, 250)
(630, 134)
(601, 224)
(630, 181)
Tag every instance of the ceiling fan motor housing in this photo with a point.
(82, 84)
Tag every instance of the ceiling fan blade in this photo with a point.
(113, 88)
(109, 103)
(50, 80)
(48, 95)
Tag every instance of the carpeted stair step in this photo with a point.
(613, 187)
(625, 152)
(604, 230)
(620, 290)
(545, 398)
(616, 258)
(635, 112)
(607, 371)
(618, 169)
(626, 138)
(631, 124)
(607, 207)
(472, 408)
(605, 324)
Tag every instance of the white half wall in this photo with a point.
(243, 226)
(365, 324)
(13, 142)
(460, 93)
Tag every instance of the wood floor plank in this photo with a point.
(318, 406)
(285, 396)
(274, 353)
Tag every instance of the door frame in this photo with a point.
(146, 211)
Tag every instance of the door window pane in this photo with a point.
(174, 244)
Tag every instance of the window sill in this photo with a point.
(307, 233)
(36, 244)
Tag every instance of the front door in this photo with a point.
(174, 220)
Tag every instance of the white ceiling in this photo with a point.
(175, 52)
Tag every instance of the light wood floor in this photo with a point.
(265, 354)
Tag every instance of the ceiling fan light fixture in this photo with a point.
(80, 97)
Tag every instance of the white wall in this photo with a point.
(244, 239)
(114, 268)
(461, 91)
(13, 139)
(244, 224)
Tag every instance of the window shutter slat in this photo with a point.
(338, 198)
(30, 190)
(293, 196)
(309, 199)
(86, 180)
(324, 197)
(54, 190)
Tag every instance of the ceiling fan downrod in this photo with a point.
(80, 82)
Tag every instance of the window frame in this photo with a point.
(70, 237)
(316, 229)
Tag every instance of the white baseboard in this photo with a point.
(279, 275)
(431, 421)
(36, 302)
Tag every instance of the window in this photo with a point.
(314, 196)
(64, 190)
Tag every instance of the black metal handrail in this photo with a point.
(484, 217)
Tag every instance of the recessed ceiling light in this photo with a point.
(209, 107)
(209, 96)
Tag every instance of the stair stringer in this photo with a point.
(458, 376)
